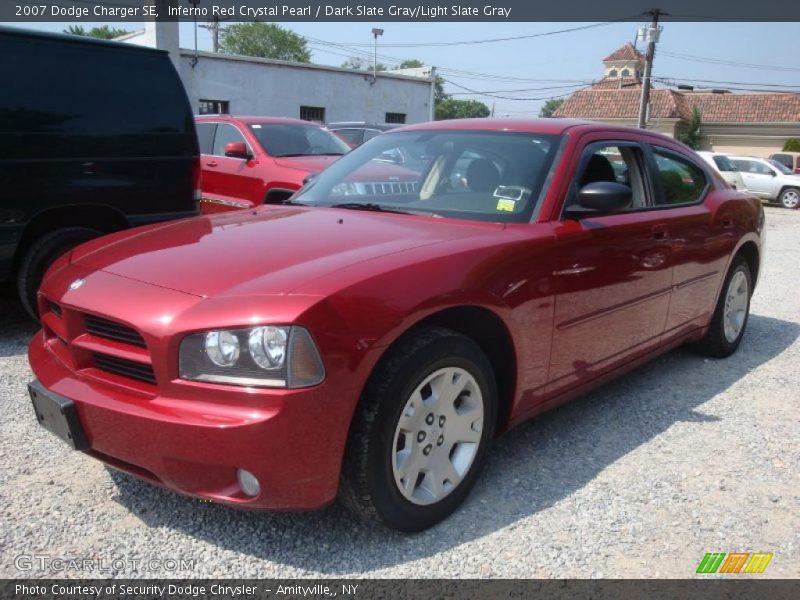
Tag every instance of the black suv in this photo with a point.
(95, 137)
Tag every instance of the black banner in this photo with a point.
(356, 589)
(378, 11)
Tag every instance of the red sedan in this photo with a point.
(369, 340)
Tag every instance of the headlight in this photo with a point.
(266, 356)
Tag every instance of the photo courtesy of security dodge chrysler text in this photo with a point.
(368, 339)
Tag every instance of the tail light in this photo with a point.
(197, 176)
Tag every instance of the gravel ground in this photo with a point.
(639, 479)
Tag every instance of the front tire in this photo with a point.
(43, 253)
(421, 432)
(732, 311)
(790, 198)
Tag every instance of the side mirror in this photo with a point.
(237, 150)
(601, 197)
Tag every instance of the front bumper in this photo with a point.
(289, 439)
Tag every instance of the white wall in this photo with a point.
(262, 87)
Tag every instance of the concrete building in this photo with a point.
(750, 123)
(243, 85)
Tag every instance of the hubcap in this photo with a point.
(791, 198)
(735, 306)
(437, 436)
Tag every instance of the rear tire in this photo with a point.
(730, 316)
(790, 198)
(43, 253)
(421, 432)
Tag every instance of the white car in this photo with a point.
(769, 179)
(725, 167)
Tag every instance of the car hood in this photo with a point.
(271, 250)
(311, 164)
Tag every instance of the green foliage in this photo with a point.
(411, 63)
(792, 145)
(103, 33)
(550, 107)
(265, 40)
(361, 64)
(460, 109)
(691, 137)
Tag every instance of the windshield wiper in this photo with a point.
(369, 206)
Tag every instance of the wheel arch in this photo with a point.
(105, 219)
(488, 330)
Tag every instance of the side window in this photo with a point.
(370, 133)
(226, 134)
(205, 136)
(617, 164)
(351, 136)
(681, 181)
(784, 159)
(760, 168)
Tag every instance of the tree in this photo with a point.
(438, 93)
(691, 137)
(266, 40)
(104, 33)
(361, 64)
(792, 145)
(550, 107)
(460, 109)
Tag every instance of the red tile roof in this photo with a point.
(620, 104)
(614, 103)
(627, 52)
(617, 83)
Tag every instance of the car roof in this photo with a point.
(256, 120)
(364, 125)
(551, 126)
(74, 39)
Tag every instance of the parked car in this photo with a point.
(725, 167)
(790, 160)
(380, 338)
(248, 161)
(95, 137)
(769, 180)
(355, 133)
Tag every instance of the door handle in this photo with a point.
(660, 232)
(212, 163)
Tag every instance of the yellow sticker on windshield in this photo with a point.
(506, 205)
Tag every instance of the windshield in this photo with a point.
(780, 166)
(478, 175)
(292, 139)
(724, 163)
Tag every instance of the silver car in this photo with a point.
(725, 167)
(770, 180)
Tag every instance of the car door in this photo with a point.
(700, 239)
(613, 272)
(232, 182)
(758, 178)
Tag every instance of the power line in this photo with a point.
(666, 79)
(490, 40)
(491, 95)
(727, 62)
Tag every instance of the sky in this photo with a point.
(713, 55)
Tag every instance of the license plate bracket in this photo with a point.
(58, 415)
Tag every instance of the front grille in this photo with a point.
(390, 187)
(113, 331)
(125, 368)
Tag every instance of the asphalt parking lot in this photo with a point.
(639, 479)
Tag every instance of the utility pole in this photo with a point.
(214, 28)
(651, 35)
(376, 32)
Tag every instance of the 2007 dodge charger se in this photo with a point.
(368, 339)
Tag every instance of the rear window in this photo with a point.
(86, 96)
(724, 163)
(784, 159)
(290, 139)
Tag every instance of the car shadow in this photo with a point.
(16, 327)
(530, 469)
